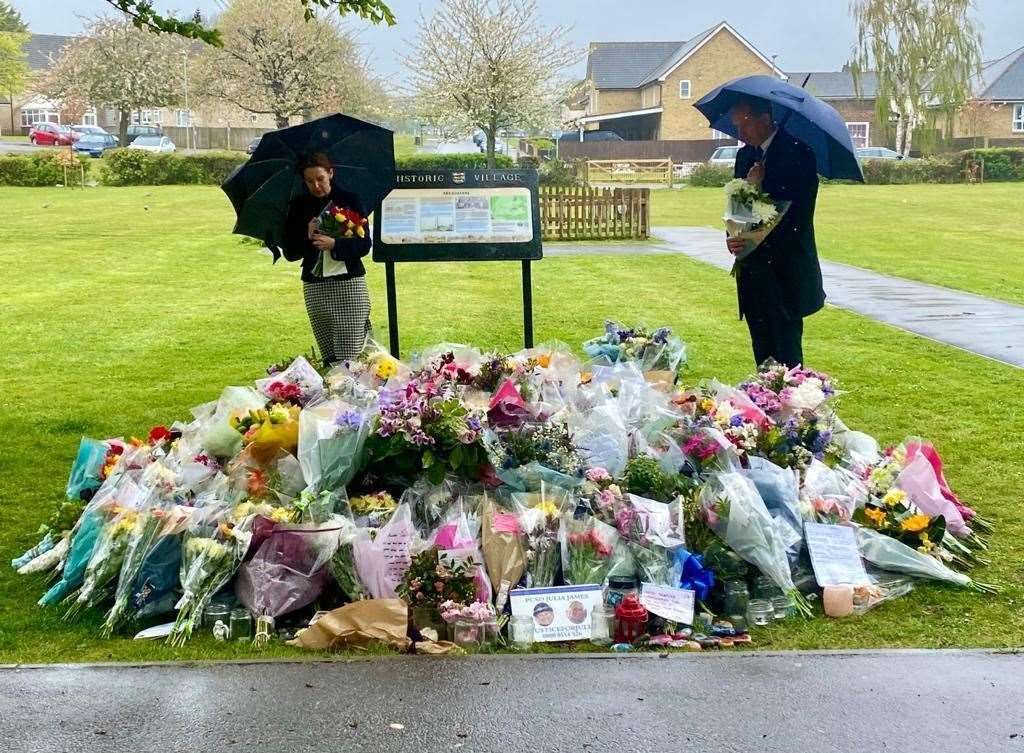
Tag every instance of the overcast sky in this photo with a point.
(805, 34)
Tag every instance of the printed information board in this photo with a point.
(474, 215)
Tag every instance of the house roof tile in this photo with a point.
(1002, 79)
(40, 49)
(626, 65)
(836, 84)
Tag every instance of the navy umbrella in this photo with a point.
(363, 155)
(802, 114)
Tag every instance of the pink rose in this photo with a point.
(598, 474)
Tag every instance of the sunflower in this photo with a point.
(915, 523)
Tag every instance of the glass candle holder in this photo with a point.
(467, 634)
(765, 588)
(760, 612)
(782, 606)
(601, 627)
(214, 612)
(489, 632)
(737, 598)
(521, 629)
(241, 625)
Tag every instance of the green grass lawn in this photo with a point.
(125, 307)
(14, 137)
(960, 236)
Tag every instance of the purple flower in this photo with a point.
(474, 423)
(736, 420)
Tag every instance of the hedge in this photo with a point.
(713, 176)
(134, 167)
(939, 169)
(459, 161)
(1005, 164)
(42, 168)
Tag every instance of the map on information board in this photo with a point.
(457, 215)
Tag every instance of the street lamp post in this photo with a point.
(188, 113)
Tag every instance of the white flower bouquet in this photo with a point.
(750, 213)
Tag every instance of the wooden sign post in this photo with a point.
(471, 215)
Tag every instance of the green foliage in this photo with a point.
(419, 586)
(528, 162)
(144, 16)
(924, 53)
(710, 176)
(1001, 165)
(42, 168)
(135, 167)
(11, 20)
(462, 161)
(644, 476)
(557, 172)
(929, 170)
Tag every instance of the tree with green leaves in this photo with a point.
(116, 64)
(145, 17)
(10, 19)
(13, 66)
(276, 62)
(925, 54)
(489, 64)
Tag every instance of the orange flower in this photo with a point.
(544, 360)
(875, 515)
(915, 523)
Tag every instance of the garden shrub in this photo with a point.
(713, 176)
(42, 168)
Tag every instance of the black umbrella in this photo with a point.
(261, 190)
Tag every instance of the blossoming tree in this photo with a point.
(489, 64)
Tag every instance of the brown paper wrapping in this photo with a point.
(662, 380)
(358, 625)
(503, 557)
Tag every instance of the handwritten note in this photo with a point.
(834, 555)
(673, 604)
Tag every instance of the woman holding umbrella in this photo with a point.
(281, 191)
(333, 275)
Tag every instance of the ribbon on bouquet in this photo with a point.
(695, 576)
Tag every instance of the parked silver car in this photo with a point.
(724, 156)
(879, 152)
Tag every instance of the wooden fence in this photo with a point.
(584, 213)
(626, 172)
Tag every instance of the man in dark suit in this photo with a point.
(780, 282)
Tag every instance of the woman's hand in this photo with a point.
(323, 242)
(311, 228)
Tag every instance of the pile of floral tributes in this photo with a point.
(450, 481)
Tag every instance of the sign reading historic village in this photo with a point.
(472, 215)
(469, 215)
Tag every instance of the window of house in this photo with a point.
(684, 89)
(1018, 118)
(38, 115)
(148, 117)
(859, 134)
(110, 115)
(184, 118)
(89, 117)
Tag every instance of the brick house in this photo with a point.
(646, 90)
(995, 115)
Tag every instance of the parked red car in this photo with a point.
(49, 134)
